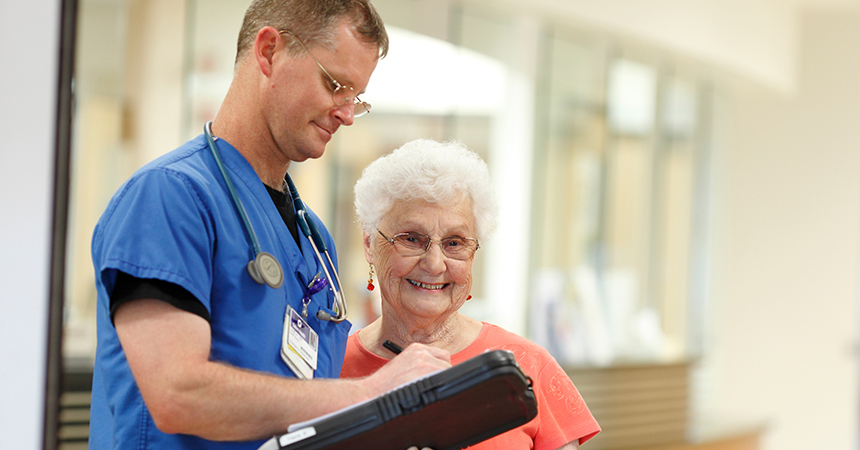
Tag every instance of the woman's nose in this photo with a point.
(433, 260)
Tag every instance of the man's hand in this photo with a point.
(416, 361)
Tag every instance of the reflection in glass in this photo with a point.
(616, 187)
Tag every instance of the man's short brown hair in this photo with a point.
(312, 21)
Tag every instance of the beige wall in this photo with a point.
(786, 237)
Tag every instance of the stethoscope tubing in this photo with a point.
(310, 230)
(256, 269)
(240, 208)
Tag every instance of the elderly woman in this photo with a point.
(424, 210)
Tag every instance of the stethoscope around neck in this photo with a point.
(265, 268)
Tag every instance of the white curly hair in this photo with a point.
(433, 171)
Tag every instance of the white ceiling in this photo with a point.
(821, 4)
(757, 39)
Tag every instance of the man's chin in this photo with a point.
(315, 153)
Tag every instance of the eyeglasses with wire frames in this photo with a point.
(416, 244)
(341, 94)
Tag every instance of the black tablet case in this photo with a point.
(461, 406)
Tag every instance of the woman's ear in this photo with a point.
(265, 45)
(368, 251)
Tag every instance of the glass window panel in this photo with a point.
(631, 98)
(673, 276)
(674, 187)
(99, 163)
(678, 108)
(614, 207)
(628, 214)
(567, 315)
(210, 54)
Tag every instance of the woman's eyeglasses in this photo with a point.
(415, 244)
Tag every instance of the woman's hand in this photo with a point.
(570, 446)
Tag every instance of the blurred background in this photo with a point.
(679, 185)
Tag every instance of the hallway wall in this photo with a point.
(783, 345)
(27, 120)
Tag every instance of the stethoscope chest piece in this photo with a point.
(266, 269)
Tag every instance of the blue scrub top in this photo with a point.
(174, 220)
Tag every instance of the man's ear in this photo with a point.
(268, 40)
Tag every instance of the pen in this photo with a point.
(392, 346)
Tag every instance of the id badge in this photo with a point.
(299, 345)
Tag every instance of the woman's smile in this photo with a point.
(432, 287)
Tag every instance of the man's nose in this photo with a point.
(345, 114)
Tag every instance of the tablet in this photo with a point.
(451, 409)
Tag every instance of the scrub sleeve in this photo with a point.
(174, 221)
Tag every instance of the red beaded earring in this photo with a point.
(370, 285)
(469, 297)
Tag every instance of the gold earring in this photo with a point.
(370, 285)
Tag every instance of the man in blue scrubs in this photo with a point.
(189, 345)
